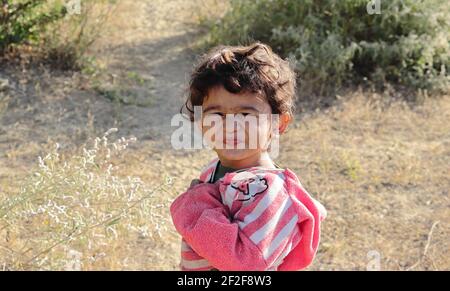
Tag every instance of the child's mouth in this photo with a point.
(233, 142)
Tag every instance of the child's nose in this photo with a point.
(233, 126)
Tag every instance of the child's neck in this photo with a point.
(257, 160)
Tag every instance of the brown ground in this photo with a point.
(382, 171)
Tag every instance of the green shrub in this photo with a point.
(338, 43)
(58, 36)
(65, 44)
(22, 21)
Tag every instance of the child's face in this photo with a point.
(236, 141)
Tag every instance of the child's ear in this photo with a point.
(284, 120)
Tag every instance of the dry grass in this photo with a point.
(382, 172)
(380, 167)
(72, 210)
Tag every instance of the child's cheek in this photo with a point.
(263, 130)
(213, 132)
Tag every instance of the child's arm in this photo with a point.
(202, 220)
(191, 261)
(254, 240)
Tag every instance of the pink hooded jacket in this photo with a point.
(251, 219)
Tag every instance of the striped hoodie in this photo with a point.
(251, 219)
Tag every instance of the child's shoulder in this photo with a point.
(272, 182)
(207, 172)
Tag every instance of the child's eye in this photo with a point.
(243, 114)
(216, 113)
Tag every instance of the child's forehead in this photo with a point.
(221, 98)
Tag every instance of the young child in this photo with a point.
(245, 212)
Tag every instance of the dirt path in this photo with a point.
(157, 48)
(147, 52)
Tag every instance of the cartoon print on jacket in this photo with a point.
(249, 186)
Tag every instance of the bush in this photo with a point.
(338, 43)
(58, 36)
(66, 43)
(23, 21)
(75, 210)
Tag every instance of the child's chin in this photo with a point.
(234, 154)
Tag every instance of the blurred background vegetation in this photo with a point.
(56, 32)
(335, 43)
(331, 44)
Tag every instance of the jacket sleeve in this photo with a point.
(191, 261)
(252, 240)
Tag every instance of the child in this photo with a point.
(245, 212)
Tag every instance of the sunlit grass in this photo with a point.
(75, 208)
